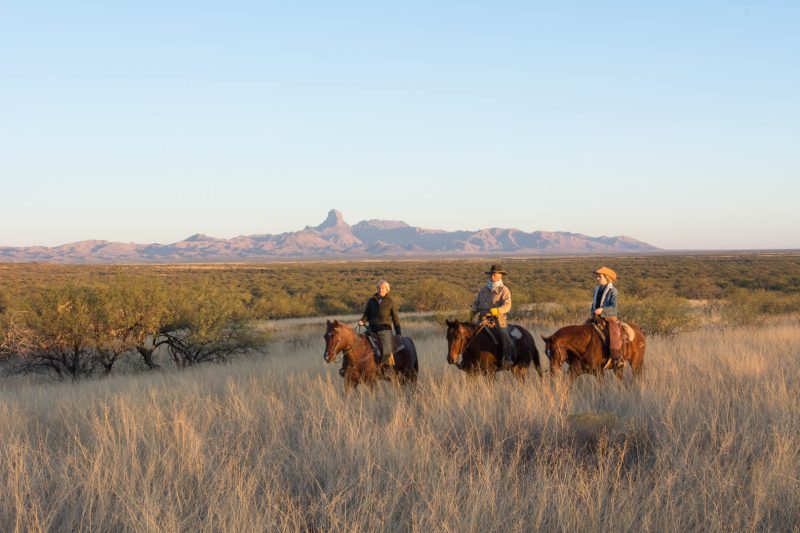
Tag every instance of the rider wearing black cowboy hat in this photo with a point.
(493, 301)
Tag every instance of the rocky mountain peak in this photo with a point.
(334, 220)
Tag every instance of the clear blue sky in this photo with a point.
(677, 123)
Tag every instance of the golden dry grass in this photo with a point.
(709, 441)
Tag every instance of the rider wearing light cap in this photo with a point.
(494, 300)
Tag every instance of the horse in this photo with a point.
(481, 354)
(359, 364)
(585, 350)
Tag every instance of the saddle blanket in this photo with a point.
(513, 332)
(399, 345)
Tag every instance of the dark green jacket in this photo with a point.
(381, 316)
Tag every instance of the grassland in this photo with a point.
(268, 441)
(708, 441)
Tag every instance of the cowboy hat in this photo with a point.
(498, 269)
(607, 272)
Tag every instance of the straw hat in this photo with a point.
(607, 272)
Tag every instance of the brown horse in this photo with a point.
(359, 364)
(481, 354)
(584, 350)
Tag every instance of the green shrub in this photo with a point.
(752, 307)
(434, 295)
(561, 314)
(663, 315)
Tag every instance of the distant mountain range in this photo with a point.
(334, 238)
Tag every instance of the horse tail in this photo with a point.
(412, 352)
(534, 352)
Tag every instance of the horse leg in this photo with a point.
(520, 372)
(573, 372)
(637, 368)
(599, 373)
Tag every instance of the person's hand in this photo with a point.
(361, 323)
(598, 311)
(494, 311)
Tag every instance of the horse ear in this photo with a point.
(545, 339)
(329, 322)
(449, 323)
(335, 322)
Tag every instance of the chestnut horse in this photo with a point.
(358, 363)
(481, 354)
(585, 351)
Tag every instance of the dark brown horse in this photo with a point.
(359, 364)
(584, 350)
(480, 353)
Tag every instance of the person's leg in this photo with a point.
(509, 352)
(387, 345)
(615, 342)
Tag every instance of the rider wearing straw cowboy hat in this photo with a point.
(604, 303)
(494, 301)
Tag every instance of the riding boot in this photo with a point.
(616, 359)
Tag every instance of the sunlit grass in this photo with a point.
(708, 441)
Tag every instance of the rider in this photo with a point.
(380, 313)
(604, 303)
(494, 301)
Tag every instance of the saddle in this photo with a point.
(627, 333)
(376, 344)
(513, 332)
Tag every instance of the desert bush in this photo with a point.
(555, 313)
(72, 331)
(663, 315)
(277, 303)
(753, 307)
(430, 294)
(206, 323)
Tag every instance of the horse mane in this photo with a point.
(570, 331)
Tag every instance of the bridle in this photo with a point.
(554, 349)
(338, 352)
(466, 342)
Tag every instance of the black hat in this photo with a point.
(498, 269)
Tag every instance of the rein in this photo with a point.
(342, 352)
(471, 338)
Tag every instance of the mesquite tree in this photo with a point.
(206, 323)
(77, 331)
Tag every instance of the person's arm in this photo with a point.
(365, 316)
(610, 307)
(475, 303)
(396, 319)
(504, 305)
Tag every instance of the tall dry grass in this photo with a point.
(710, 440)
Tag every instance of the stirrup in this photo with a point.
(341, 372)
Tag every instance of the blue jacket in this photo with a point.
(609, 300)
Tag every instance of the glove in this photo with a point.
(494, 311)
(397, 330)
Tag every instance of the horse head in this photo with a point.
(458, 336)
(336, 340)
(555, 353)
